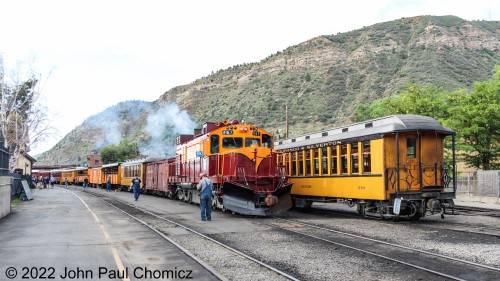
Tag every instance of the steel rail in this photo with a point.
(385, 243)
(199, 234)
(392, 244)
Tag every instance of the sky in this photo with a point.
(92, 54)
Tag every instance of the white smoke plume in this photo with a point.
(110, 121)
(162, 128)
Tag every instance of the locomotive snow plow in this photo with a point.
(243, 200)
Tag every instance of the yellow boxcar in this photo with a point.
(389, 166)
(113, 172)
(96, 177)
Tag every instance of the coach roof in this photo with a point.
(379, 126)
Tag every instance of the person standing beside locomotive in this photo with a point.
(136, 186)
(205, 189)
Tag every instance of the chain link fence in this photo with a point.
(480, 183)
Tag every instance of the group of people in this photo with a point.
(204, 188)
(43, 182)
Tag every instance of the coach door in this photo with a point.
(410, 160)
(401, 153)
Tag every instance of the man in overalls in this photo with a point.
(205, 189)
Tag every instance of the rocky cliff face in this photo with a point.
(324, 79)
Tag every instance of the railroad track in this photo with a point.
(440, 265)
(475, 211)
(253, 267)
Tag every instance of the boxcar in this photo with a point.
(112, 171)
(389, 166)
(96, 177)
(156, 177)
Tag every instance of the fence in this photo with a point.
(480, 183)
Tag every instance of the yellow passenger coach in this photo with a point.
(389, 166)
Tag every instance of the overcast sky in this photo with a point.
(94, 54)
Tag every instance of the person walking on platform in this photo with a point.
(86, 183)
(108, 184)
(52, 181)
(66, 182)
(205, 189)
(136, 186)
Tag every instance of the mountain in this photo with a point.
(324, 79)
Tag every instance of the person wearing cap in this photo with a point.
(205, 189)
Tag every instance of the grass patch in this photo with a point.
(14, 202)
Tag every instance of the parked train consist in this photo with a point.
(238, 158)
(390, 167)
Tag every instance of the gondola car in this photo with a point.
(390, 167)
(240, 161)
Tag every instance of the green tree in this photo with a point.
(118, 153)
(429, 100)
(476, 118)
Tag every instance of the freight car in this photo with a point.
(389, 167)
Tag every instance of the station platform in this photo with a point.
(68, 234)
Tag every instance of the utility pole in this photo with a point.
(286, 119)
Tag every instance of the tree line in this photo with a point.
(473, 114)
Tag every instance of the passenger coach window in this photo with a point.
(301, 163)
(411, 148)
(324, 161)
(343, 158)
(367, 159)
(250, 141)
(335, 169)
(214, 144)
(294, 163)
(316, 161)
(354, 158)
(232, 142)
(267, 141)
(308, 162)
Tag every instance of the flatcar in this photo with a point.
(389, 167)
(240, 161)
